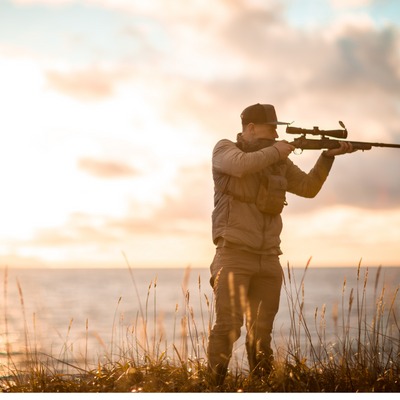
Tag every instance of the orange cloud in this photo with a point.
(106, 169)
(15, 261)
(186, 214)
(88, 85)
(195, 200)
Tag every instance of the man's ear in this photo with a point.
(250, 128)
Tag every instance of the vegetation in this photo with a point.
(365, 358)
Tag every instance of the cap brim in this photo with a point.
(277, 123)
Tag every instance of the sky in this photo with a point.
(110, 110)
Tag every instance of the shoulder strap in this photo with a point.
(244, 199)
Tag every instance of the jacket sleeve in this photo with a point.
(229, 159)
(308, 185)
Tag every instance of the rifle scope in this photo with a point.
(336, 133)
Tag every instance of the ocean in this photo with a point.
(89, 312)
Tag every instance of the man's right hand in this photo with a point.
(284, 149)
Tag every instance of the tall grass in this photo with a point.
(364, 357)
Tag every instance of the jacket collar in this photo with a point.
(252, 145)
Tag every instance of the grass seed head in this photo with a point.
(335, 313)
(366, 279)
(351, 299)
(323, 311)
(377, 276)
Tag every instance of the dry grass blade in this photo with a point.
(25, 322)
(138, 297)
(5, 314)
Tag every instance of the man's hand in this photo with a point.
(284, 149)
(345, 147)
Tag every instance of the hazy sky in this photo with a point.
(110, 110)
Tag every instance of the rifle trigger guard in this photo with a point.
(298, 151)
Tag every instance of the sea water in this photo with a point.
(97, 312)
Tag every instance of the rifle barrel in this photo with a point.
(396, 146)
(315, 144)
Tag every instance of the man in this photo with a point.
(251, 177)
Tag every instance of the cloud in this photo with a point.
(246, 53)
(172, 8)
(198, 67)
(360, 61)
(365, 180)
(352, 73)
(350, 3)
(183, 214)
(194, 200)
(345, 235)
(174, 234)
(106, 169)
(349, 71)
(186, 212)
(87, 84)
(15, 261)
(351, 60)
(45, 2)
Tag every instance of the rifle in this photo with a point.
(303, 143)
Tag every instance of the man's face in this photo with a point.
(265, 131)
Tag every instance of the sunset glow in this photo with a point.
(111, 108)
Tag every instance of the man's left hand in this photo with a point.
(345, 147)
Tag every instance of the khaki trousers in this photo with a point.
(244, 284)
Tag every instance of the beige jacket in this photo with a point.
(242, 224)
